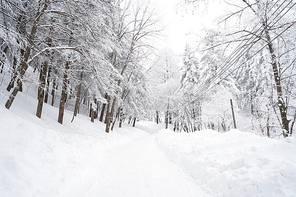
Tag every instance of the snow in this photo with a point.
(140, 169)
(40, 157)
(234, 163)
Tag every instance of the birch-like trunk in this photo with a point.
(275, 67)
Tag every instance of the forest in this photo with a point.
(100, 58)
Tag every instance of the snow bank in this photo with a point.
(40, 157)
(234, 163)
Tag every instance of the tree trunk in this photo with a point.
(63, 94)
(107, 119)
(117, 116)
(157, 117)
(12, 96)
(77, 102)
(120, 117)
(92, 115)
(42, 79)
(23, 64)
(3, 58)
(134, 123)
(103, 109)
(90, 110)
(47, 85)
(14, 75)
(53, 92)
(120, 122)
(166, 119)
(281, 103)
(112, 109)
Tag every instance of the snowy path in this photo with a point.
(139, 168)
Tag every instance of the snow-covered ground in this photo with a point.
(40, 157)
(234, 163)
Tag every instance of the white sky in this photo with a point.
(184, 26)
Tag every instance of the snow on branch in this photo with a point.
(50, 49)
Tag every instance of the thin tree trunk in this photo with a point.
(120, 120)
(47, 85)
(14, 75)
(292, 124)
(112, 109)
(134, 123)
(90, 108)
(110, 114)
(281, 103)
(107, 119)
(103, 109)
(63, 94)
(92, 115)
(53, 92)
(77, 102)
(42, 79)
(117, 116)
(2, 60)
(120, 117)
(166, 119)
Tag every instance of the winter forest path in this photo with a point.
(139, 168)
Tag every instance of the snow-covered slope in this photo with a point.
(44, 158)
(234, 163)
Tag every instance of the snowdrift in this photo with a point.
(234, 163)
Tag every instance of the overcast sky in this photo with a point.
(184, 25)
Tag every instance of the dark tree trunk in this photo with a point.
(47, 85)
(92, 115)
(42, 79)
(53, 92)
(134, 122)
(175, 126)
(14, 75)
(97, 111)
(157, 117)
(166, 119)
(107, 119)
(63, 94)
(103, 109)
(11, 98)
(90, 110)
(121, 117)
(3, 58)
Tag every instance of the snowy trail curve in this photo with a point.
(139, 168)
